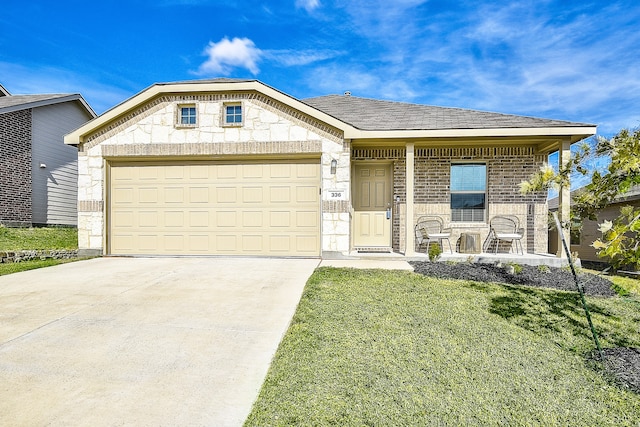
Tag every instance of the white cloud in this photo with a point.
(308, 5)
(227, 54)
(291, 58)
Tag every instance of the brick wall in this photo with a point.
(506, 168)
(15, 168)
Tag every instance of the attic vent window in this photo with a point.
(232, 114)
(187, 116)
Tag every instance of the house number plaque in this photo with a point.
(335, 195)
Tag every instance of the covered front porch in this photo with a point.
(421, 175)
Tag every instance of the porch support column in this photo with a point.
(409, 234)
(564, 197)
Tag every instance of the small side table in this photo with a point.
(469, 243)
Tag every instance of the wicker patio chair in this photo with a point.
(505, 228)
(431, 229)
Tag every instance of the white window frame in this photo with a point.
(179, 116)
(469, 215)
(224, 121)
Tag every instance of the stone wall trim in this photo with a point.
(90, 205)
(213, 149)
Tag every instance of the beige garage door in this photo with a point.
(261, 208)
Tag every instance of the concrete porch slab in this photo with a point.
(338, 259)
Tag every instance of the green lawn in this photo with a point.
(16, 267)
(14, 239)
(381, 348)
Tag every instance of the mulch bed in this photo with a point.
(622, 364)
(541, 277)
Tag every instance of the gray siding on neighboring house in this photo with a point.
(55, 188)
(15, 173)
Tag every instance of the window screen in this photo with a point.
(468, 192)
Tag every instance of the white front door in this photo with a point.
(372, 206)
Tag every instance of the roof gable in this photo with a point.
(362, 118)
(12, 103)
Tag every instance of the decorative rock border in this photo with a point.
(28, 255)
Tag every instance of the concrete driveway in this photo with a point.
(142, 341)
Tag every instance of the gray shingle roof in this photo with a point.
(21, 102)
(375, 115)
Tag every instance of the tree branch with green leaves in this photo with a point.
(620, 242)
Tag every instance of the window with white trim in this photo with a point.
(187, 115)
(468, 192)
(232, 114)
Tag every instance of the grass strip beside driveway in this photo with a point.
(370, 347)
(17, 239)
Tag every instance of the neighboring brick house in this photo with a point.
(235, 167)
(585, 233)
(38, 172)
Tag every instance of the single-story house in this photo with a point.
(236, 167)
(586, 232)
(38, 172)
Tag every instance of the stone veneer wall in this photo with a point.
(270, 128)
(15, 168)
(28, 255)
(506, 168)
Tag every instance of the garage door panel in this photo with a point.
(226, 243)
(306, 219)
(124, 219)
(226, 219)
(199, 195)
(280, 219)
(307, 170)
(199, 172)
(265, 208)
(226, 195)
(173, 219)
(148, 242)
(252, 171)
(307, 194)
(306, 244)
(123, 195)
(173, 194)
(280, 244)
(199, 243)
(280, 194)
(223, 172)
(281, 170)
(198, 219)
(148, 195)
(252, 219)
(252, 194)
(148, 219)
(173, 242)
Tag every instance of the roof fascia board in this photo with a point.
(77, 136)
(581, 132)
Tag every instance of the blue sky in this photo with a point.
(568, 60)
